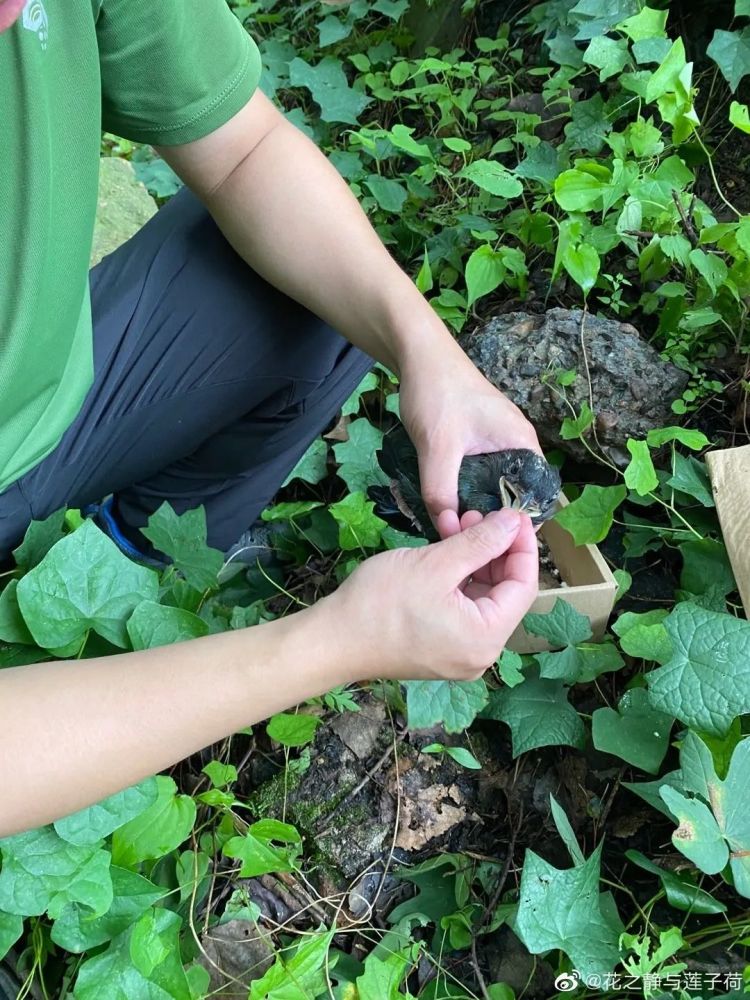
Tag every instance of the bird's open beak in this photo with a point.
(517, 501)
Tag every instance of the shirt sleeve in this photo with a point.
(173, 71)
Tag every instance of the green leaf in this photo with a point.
(157, 831)
(697, 768)
(742, 8)
(562, 626)
(424, 280)
(743, 235)
(394, 9)
(12, 626)
(711, 268)
(39, 538)
(705, 564)
(706, 683)
(637, 732)
(640, 475)
(11, 928)
(728, 803)
(681, 893)
(690, 477)
(220, 775)
(589, 518)
(312, 467)
(578, 191)
(561, 909)
(588, 126)
(389, 194)
(730, 808)
(485, 270)
(381, 979)
(649, 791)
(292, 730)
(258, 850)
(182, 537)
(595, 658)
(608, 55)
(575, 427)
(331, 30)
(359, 526)
(566, 832)
(93, 824)
(582, 264)
(42, 872)
(665, 79)
(739, 116)
(153, 624)
(297, 978)
(538, 713)
(83, 583)
(692, 439)
(493, 177)
(651, 50)
(358, 466)
(452, 704)
(624, 582)
(457, 145)
(330, 89)
(143, 963)
(463, 757)
(77, 930)
(698, 835)
(289, 510)
(509, 667)
(644, 635)
(647, 23)
(402, 137)
(352, 405)
(440, 891)
(563, 49)
(730, 50)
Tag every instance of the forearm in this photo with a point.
(73, 732)
(291, 216)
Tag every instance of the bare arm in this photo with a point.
(289, 214)
(73, 732)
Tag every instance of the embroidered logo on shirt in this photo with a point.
(35, 19)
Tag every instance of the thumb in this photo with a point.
(473, 548)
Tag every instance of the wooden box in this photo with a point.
(591, 587)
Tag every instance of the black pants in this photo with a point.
(209, 385)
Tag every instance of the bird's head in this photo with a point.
(518, 478)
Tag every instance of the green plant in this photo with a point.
(575, 157)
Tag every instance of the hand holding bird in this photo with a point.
(467, 448)
(455, 417)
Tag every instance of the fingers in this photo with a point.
(470, 550)
(510, 599)
(438, 477)
(447, 523)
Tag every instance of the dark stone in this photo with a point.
(630, 385)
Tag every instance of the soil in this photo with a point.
(550, 577)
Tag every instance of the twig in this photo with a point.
(490, 907)
(687, 222)
(347, 799)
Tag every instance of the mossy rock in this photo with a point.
(124, 206)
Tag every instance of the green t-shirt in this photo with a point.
(156, 71)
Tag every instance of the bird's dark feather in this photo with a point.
(529, 476)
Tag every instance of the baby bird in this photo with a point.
(515, 477)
